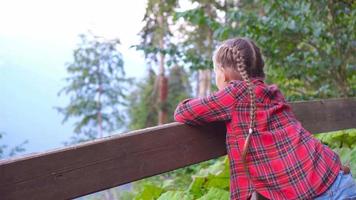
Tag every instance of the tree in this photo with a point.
(308, 45)
(96, 86)
(142, 108)
(179, 89)
(197, 48)
(155, 36)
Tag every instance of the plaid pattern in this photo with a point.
(285, 161)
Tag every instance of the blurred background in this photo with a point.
(73, 71)
(38, 40)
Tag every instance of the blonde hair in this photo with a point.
(225, 56)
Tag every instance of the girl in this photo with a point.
(284, 161)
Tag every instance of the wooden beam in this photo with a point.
(326, 115)
(108, 162)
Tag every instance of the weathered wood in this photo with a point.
(104, 163)
(326, 115)
(108, 162)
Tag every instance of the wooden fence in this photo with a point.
(112, 161)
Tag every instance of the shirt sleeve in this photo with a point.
(215, 107)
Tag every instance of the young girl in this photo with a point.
(284, 161)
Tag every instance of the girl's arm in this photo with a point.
(215, 107)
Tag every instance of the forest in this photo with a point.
(308, 49)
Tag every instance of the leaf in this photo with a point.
(175, 195)
(353, 162)
(337, 139)
(217, 182)
(149, 192)
(215, 169)
(216, 194)
(196, 187)
(344, 154)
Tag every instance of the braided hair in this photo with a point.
(243, 56)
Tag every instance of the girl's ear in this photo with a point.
(226, 76)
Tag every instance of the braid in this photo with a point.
(244, 57)
(241, 68)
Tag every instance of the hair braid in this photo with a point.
(241, 68)
(245, 59)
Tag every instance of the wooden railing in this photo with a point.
(112, 161)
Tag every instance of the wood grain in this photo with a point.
(108, 162)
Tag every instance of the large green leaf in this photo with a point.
(217, 182)
(196, 188)
(338, 139)
(149, 192)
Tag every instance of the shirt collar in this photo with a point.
(253, 79)
(257, 79)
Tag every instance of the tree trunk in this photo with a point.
(205, 75)
(204, 88)
(162, 80)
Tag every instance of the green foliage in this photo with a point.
(175, 195)
(157, 31)
(308, 45)
(179, 88)
(141, 100)
(216, 176)
(149, 192)
(344, 143)
(339, 139)
(215, 194)
(143, 103)
(348, 157)
(96, 86)
(207, 180)
(197, 48)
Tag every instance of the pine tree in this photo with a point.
(96, 86)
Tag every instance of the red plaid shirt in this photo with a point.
(285, 161)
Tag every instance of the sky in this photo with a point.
(37, 39)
